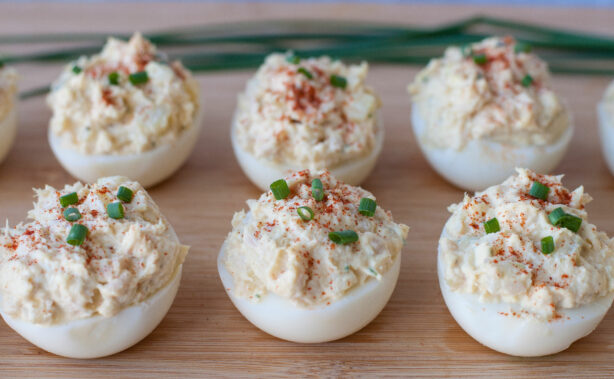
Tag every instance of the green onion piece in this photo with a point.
(114, 78)
(572, 223)
(547, 245)
(115, 210)
(125, 194)
(522, 47)
(139, 77)
(367, 207)
(317, 190)
(76, 69)
(69, 199)
(480, 59)
(305, 213)
(556, 216)
(304, 71)
(338, 81)
(343, 237)
(527, 80)
(293, 59)
(72, 214)
(77, 235)
(539, 191)
(492, 226)
(280, 189)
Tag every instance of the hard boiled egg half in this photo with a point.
(8, 110)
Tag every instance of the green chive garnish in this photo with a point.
(304, 71)
(480, 59)
(77, 235)
(114, 78)
(69, 199)
(527, 80)
(338, 81)
(367, 207)
(539, 191)
(305, 213)
(125, 194)
(522, 47)
(293, 59)
(492, 226)
(559, 217)
(76, 69)
(280, 189)
(139, 77)
(343, 237)
(115, 210)
(547, 245)
(72, 214)
(317, 190)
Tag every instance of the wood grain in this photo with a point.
(203, 335)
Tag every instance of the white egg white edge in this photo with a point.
(606, 131)
(482, 163)
(521, 336)
(279, 317)
(148, 168)
(99, 336)
(8, 131)
(262, 172)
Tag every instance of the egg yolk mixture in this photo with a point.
(535, 249)
(125, 100)
(74, 261)
(495, 89)
(273, 249)
(314, 113)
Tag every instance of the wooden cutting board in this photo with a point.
(203, 334)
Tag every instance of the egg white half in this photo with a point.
(8, 131)
(100, 336)
(148, 168)
(606, 132)
(279, 317)
(488, 323)
(482, 163)
(262, 172)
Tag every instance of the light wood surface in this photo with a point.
(203, 334)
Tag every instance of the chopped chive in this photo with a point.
(280, 189)
(304, 71)
(480, 59)
(77, 235)
(138, 77)
(338, 81)
(367, 207)
(547, 245)
(115, 210)
(559, 217)
(373, 271)
(539, 191)
(125, 194)
(293, 59)
(343, 237)
(317, 190)
(522, 47)
(114, 78)
(76, 69)
(527, 80)
(346, 268)
(69, 199)
(556, 215)
(492, 226)
(305, 213)
(72, 214)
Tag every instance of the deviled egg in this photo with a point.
(482, 110)
(605, 113)
(313, 260)
(94, 271)
(8, 109)
(314, 113)
(522, 270)
(124, 112)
